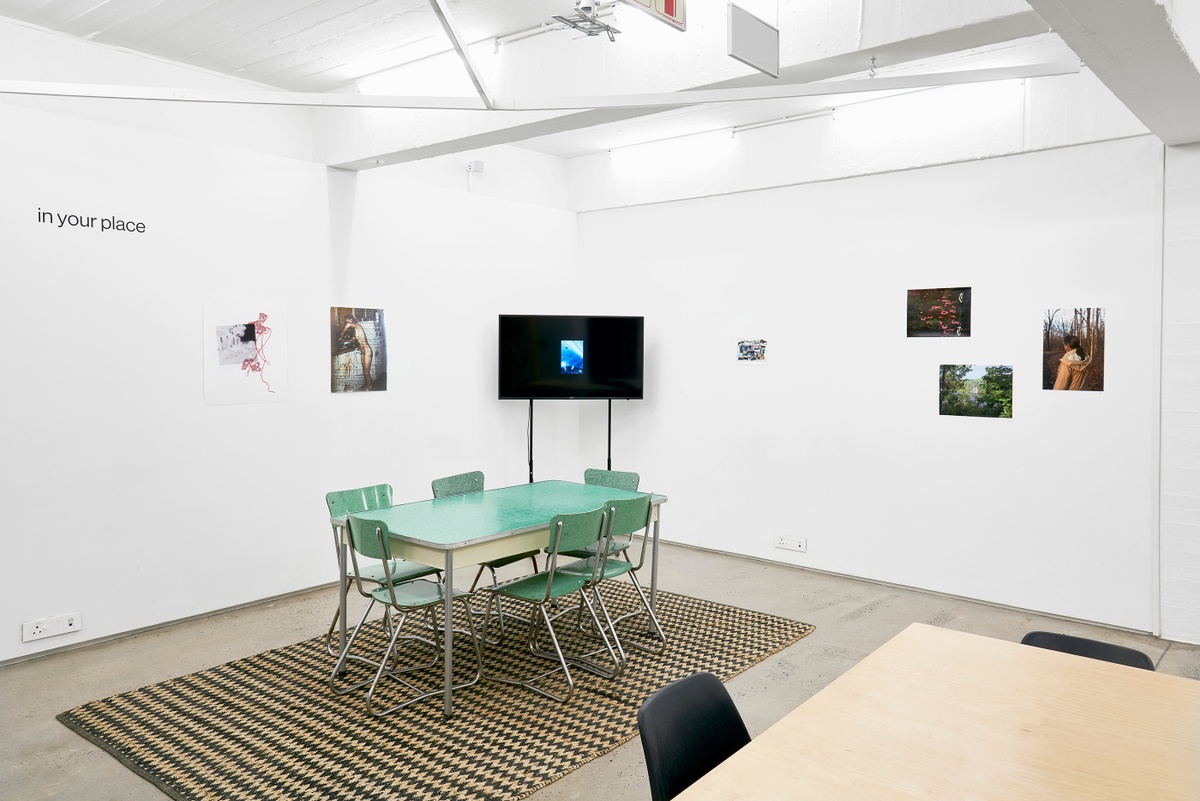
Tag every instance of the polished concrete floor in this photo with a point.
(42, 759)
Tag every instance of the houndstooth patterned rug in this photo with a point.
(267, 727)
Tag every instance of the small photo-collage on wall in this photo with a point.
(752, 350)
(1072, 353)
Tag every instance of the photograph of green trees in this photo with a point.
(975, 390)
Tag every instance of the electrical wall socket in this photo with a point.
(792, 543)
(51, 626)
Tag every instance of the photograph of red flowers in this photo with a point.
(942, 312)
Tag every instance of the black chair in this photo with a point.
(688, 728)
(1092, 649)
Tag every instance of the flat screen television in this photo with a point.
(544, 357)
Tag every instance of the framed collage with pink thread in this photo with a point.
(245, 351)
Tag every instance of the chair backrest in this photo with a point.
(343, 503)
(630, 515)
(613, 479)
(459, 484)
(688, 728)
(1093, 649)
(368, 537)
(575, 532)
(361, 499)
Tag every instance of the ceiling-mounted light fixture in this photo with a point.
(586, 20)
(812, 115)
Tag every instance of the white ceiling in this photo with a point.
(298, 45)
(325, 45)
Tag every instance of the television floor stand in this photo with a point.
(530, 447)
(609, 434)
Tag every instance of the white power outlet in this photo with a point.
(51, 626)
(799, 544)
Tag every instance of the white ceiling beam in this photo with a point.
(460, 47)
(820, 47)
(237, 97)
(508, 134)
(1132, 47)
(694, 97)
(654, 101)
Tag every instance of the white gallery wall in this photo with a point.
(139, 504)
(1181, 396)
(862, 136)
(444, 265)
(836, 437)
(158, 507)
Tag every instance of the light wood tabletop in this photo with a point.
(940, 714)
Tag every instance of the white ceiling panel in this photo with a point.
(219, 25)
(132, 30)
(300, 45)
(95, 19)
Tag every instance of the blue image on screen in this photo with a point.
(572, 357)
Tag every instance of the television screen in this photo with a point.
(547, 357)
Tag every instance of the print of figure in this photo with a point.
(357, 350)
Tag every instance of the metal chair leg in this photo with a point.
(391, 629)
(439, 644)
(656, 629)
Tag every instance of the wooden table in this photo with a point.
(482, 526)
(939, 714)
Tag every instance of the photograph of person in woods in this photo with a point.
(1073, 349)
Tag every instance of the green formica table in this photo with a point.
(482, 526)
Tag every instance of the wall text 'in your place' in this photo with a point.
(112, 223)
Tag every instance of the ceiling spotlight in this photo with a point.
(586, 20)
